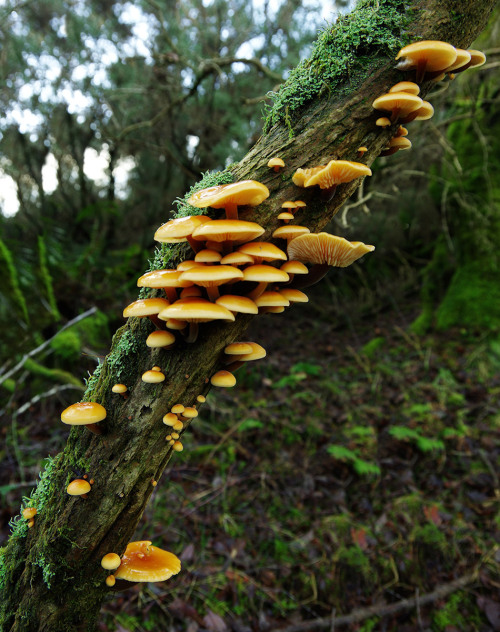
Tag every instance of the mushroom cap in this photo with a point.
(244, 193)
(337, 172)
(236, 259)
(401, 142)
(326, 248)
(404, 102)
(265, 250)
(276, 162)
(290, 231)
(406, 86)
(383, 121)
(294, 267)
(211, 276)
(236, 303)
(190, 292)
(463, 58)
(238, 348)
(29, 513)
(176, 324)
(289, 204)
(119, 388)
(187, 264)
(264, 274)
(145, 307)
(437, 55)
(190, 413)
(195, 310)
(294, 296)
(153, 377)
(143, 562)
(170, 419)
(477, 58)
(228, 230)
(83, 413)
(208, 256)
(201, 399)
(78, 487)
(301, 175)
(111, 561)
(177, 446)
(224, 379)
(424, 112)
(160, 338)
(177, 409)
(285, 215)
(179, 229)
(272, 299)
(162, 278)
(258, 352)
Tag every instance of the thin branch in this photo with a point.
(45, 344)
(384, 609)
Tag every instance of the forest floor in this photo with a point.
(355, 467)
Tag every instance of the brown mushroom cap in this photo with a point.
(208, 256)
(195, 310)
(178, 230)
(290, 231)
(286, 216)
(212, 276)
(238, 304)
(383, 121)
(145, 307)
(324, 248)
(78, 487)
(238, 348)
(434, 54)
(29, 513)
(162, 278)
(294, 296)
(262, 273)
(294, 267)
(272, 299)
(83, 413)
(424, 112)
(399, 103)
(236, 259)
(337, 172)
(244, 193)
(406, 86)
(170, 419)
(111, 561)
(119, 388)
(463, 58)
(177, 409)
(228, 230)
(153, 377)
(263, 251)
(401, 142)
(160, 338)
(276, 163)
(477, 58)
(258, 352)
(143, 562)
(224, 379)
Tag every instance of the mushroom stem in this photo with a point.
(234, 366)
(317, 272)
(388, 152)
(213, 293)
(94, 428)
(257, 291)
(420, 72)
(329, 194)
(156, 321)
(170, 293)
(231, 211)
(195, 245)
(193, 333)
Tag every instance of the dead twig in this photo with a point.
(383, 610)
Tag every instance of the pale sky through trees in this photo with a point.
(104, 53)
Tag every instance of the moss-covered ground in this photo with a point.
(355, 465)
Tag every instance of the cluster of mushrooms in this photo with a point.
(431, 61)
(231, 272)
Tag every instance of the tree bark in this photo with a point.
(50, 576)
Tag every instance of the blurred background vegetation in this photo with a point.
(111, 110)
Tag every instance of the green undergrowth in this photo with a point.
(343, 52)
(331, 482)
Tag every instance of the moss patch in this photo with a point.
(472, 300)
(341, 52)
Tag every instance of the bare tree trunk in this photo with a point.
(50, 576)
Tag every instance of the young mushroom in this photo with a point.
(86, 414)
(79, 487)
(276, 164)
(143, 562)
(120, 389)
